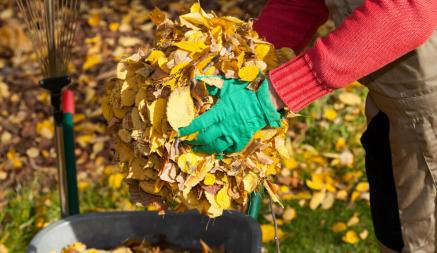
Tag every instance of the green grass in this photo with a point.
(311, 231)
(28, 210)
(17, 219)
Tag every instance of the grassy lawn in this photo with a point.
(311, 231)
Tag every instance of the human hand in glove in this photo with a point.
(230, 124)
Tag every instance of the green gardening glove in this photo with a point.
(230, 124)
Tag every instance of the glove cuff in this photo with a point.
(273, 117)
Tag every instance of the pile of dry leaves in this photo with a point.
(153, 95)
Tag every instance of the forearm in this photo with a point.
(374, 35)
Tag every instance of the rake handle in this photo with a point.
(65, 159)
(70, 157)
(255, 203)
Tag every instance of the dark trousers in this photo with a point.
(383, 198)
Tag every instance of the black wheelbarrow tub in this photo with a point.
(237, 232)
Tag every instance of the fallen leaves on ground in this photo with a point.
(268, 233)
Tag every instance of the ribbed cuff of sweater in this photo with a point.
(297, 84)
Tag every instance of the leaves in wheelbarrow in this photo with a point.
(137, 246)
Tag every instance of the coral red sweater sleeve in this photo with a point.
(291, 23)
(375, 34)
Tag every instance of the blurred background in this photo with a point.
(323, 187)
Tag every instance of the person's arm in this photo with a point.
(291, 23)
(375, 34)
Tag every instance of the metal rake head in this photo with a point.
(52, 26)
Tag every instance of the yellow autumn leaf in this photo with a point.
(289, 214)
(180, 108)
(328, 200)
(128, 93)
(85, 139)
(349, 98)
(265, 134)
(330, 114)
(211, 71)
(14, 159)
(272, 193)
(92, 61)
(157, 16)
(137, 170)
(188, 162)
(214, 209)
(190, 46)
(189, 137)
(115, 180)
(346, 158)
(204, 63)
(250, 181)
(45, 129)
(317, 199)
(316, 182)
(176, 69)
(342, 195)
(354, 220)
(155, 139)
(193, 20)
(268, 233)
(340, 143)
(352, 175)
(338, 227)
(197, 17)
(284, 189)
(248, 73)
(364, 234)
(289, 163)
(75, 247)
(114, 26)
(362, 187)
(32, 152)
(196, 8)
(214, 81)
(197, 175)
(355, 195)
(82, 185)
(209, 179)
(156, 112)
(351, 237)
(154, 56)
(261, 50)
(222, 198)
(126, 41)
(94, 18)
(119, 112)
(124, 135)
(125, 154)
(106, 109)
(137, 122)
